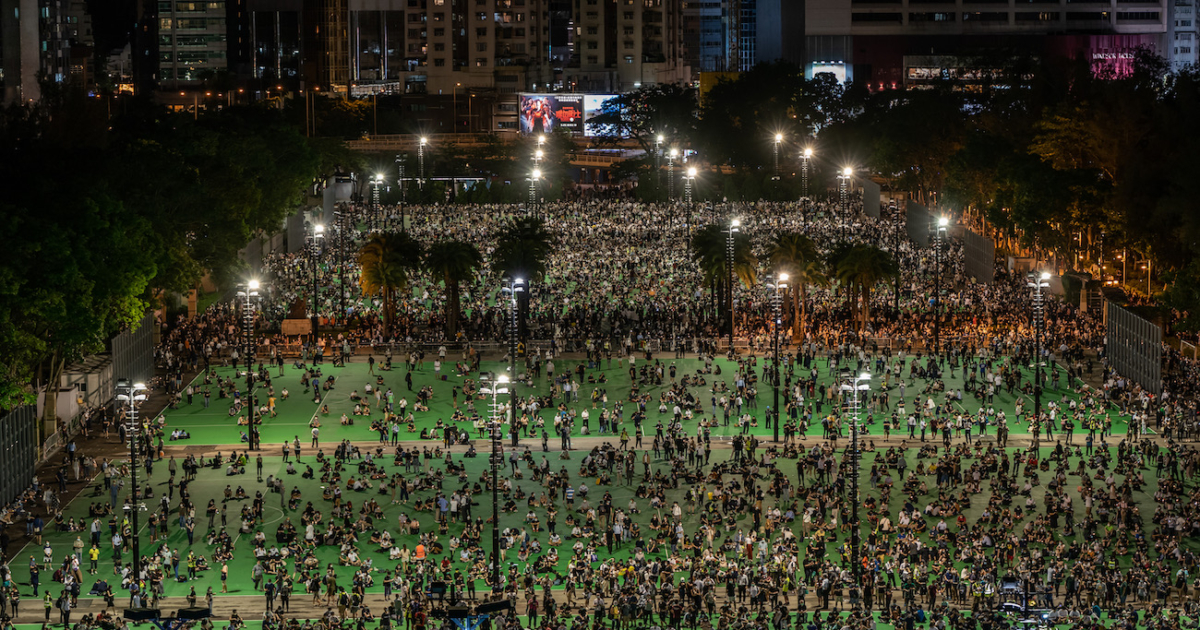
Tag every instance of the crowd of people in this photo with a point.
(757, 538)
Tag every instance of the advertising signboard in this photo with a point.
(544, 113)
(592, 103)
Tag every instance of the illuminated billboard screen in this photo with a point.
(592, 103)
(544, 113)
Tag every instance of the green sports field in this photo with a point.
(210, 484)
(215, 426)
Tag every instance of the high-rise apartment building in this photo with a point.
(704, 42)
(1183, 46)
(887, 43)
(200, 39)
(47, 40)
(621, 45)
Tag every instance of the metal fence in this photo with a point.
(18, 451)
(979, 254)
(918, 223)
(1134, 347)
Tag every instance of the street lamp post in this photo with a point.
(734, 228)
(421, 162)
(249, 293)
(844, 199)
(671, 155)
(687, 185)
(516, 286)
(315, 255)
(133, 394)
(780, 285)
(1038, 282)
(938, 238)
(778, 141)
(495, 388)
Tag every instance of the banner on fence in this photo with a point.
(1134, 347)
(979, 254)
(917, 223)
(293, 327)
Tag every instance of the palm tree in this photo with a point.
(386, 261)
(859, 269)
(522, 247)
(455, 262)
(797, 254)
(710, 249)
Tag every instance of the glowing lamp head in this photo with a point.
(424, 140)
(808, 153)
(537, 174)
(943, 221)
(253, 284)
(778, 137)
(539, 154)
(736, 223)
(691, 171)
(1045, 275)
(847, 172)
(660, 137)
(318, 229)
(674, 152)
(783, 277)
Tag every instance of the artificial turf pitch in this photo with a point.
(215, 426)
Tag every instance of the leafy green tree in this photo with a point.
(667, 109)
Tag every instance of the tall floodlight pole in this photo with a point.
(938, 241)
(534, 179)
(861, 382)
(318, 235)
(734, 227)
(516, 286)
(777, 315)
(400, 160)
(421, 162)
(249, 293)
(133, 394)
(497, 386)
(804, 158)
(844, 199)
(340, 225)
(778, 141)
(1038, 282)
(671, 155)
